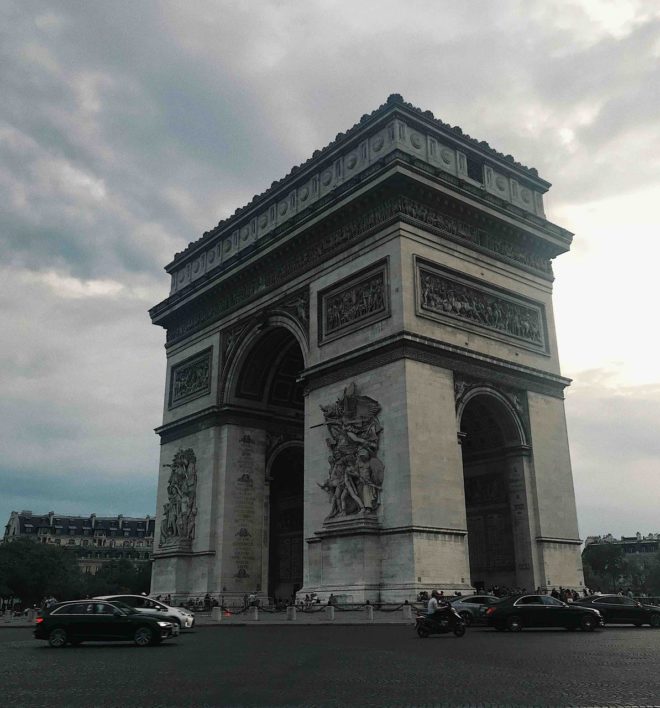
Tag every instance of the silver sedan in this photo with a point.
(472, 608)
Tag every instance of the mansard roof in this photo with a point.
(78, 523)
(395, 101)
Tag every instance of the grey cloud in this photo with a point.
(127, 129)
(615, 450)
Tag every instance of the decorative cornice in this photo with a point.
(435, 530)
(214, 416)
(297, 257)
(562, 541)
(396, 130)
(423, 135)
(448, 356)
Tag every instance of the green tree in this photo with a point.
(31, 571)
(604, 566)
(119, 576)
(653, 577)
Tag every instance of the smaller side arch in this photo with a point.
(513, 427)
(247, 338)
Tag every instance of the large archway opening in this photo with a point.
(285, 552)
(270, 394)
(489, 436)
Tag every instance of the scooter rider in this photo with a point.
(433, 605)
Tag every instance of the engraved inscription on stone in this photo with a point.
(444, 295)
(191, 378)
(243, 543)
(355, 303)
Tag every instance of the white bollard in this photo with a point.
(407, 612)
(370, 612)
(291, 613)
(216, 614)
(253, 613)
(330, 612)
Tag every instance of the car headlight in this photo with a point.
(164, 624)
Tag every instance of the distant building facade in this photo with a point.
(634, 547)
(96, 540)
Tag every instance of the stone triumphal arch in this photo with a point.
(363, 392)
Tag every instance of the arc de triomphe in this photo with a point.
(363, 391)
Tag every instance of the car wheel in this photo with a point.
(588, 623)
(467, 617)
(655, 621)
(514, 623)
(459, 630)
(57, 637)
(422, 632)
(143, 636)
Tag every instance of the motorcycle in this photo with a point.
(445, 620)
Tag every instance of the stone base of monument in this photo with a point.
(356, 559)
(360, 523)
(344, 558)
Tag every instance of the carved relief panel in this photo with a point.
(354, 303)
(355, 478)
(177, 527)
(458, 299)
(191, 378)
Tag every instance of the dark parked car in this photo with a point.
(618, 609)
(98, 621)
(520, 611)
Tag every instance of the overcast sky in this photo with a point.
(127, 129)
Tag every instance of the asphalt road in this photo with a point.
(337, 666)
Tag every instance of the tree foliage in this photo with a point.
(32, 571)
(606, 568)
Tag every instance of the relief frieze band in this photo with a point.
(292, 263)
(354, 302)
(447, 296)
(191, 378)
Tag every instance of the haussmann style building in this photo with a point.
(95, 540)
(363, 392)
